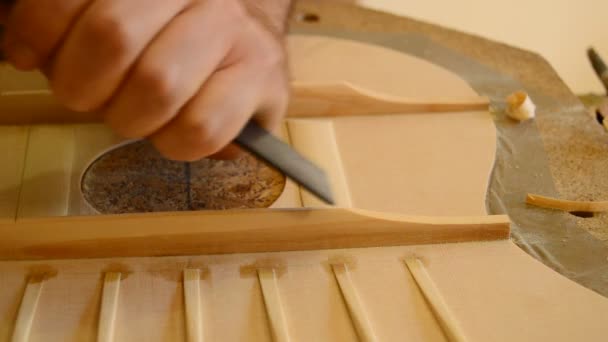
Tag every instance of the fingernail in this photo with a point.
(21, 56)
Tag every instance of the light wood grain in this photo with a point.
(345, 99)
(43, 171)
(192, 300)
(273, 304)
(109, 306)
(316, 140)
(234, 231)
(154, 303)
(566, 205)
(448, 322)
(27, 309)
(382, 79)
(412, 164)
(37, 106)
(152, 306)
(291, 195)
(317, 59)
(356, 309)
(13, 144)
(308, 100)
(408, 163)
(46, 176)
(13, 80)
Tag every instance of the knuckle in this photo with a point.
(203, 137)
(110, 32)
(190, 143)
(158, 83)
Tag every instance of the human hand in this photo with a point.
(187, 74)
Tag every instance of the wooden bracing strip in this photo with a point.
(316, 140)
(308, 100)
(234, 231)
(109, 306)
(274, 305)
(27, 309)
(356, 310)
(450, 326)
(345, 99)
(192, 301)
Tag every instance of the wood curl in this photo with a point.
(566, 205)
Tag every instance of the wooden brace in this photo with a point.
(234, 231)
(308, 100)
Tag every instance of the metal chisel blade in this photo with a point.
(276, 153)
(599, 66)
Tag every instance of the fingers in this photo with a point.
(32, 34)
(188, 74)
(170, 72)
(268, 114)
(229, 152)
(275, 101)
(209, 122)
(221, 109)
(102, 45)
(267, 57)
(194, 107)
(254, 82)
(217, 114)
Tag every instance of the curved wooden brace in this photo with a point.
(308, 100)
(233, 231)
(566, 205)
(345, 99)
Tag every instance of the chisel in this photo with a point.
(281, 156)
(599, 66)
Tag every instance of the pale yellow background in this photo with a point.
(560, 30)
